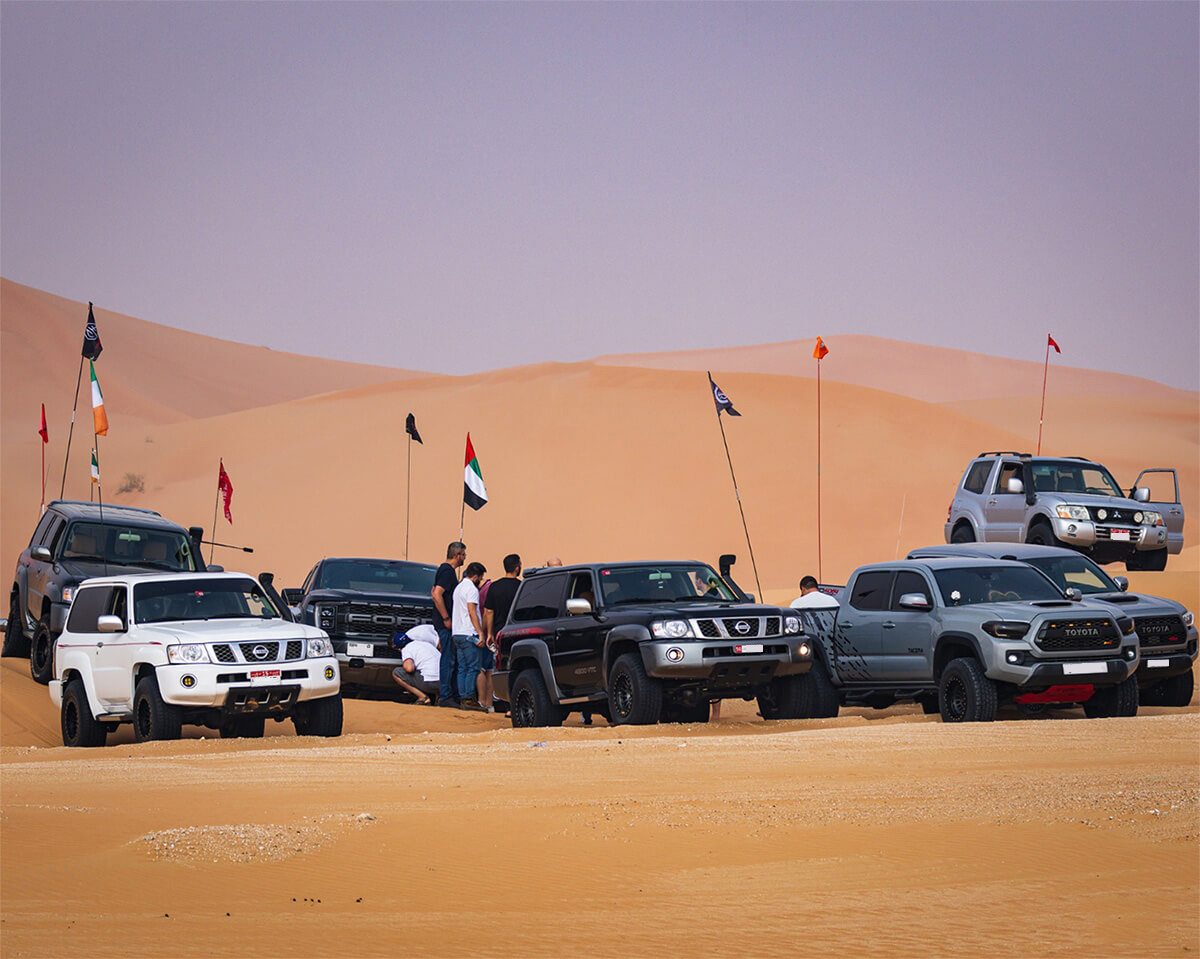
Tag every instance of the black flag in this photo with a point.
(410, 427)
(722, 401)
(92, 346)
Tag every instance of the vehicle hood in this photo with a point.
(698, 610)
(360, 596)
(1137, 604)
(80, 570)
(226, 631)
(1092, 499)
(1027, 610)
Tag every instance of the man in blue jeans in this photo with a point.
(468, 636)
(444, 583)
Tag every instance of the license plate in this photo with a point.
(1156, 663)
(749, 648)
(360, 649)
(1120, 535)
(1084, 669)
(264, 677)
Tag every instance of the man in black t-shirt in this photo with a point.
(445, 581)
(499, 600)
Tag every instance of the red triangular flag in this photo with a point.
(1050, 342)
(225, 488)
(820, 351)
(43, 432)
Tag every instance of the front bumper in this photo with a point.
(1162, 665)
(1085, 533)
(716, 661)
(216, 685)
(1038, 671)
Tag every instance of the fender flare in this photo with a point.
(77, 664)
(537, 650)
(957, 636)
(629, 633)
(966, 517)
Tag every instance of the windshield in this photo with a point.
(182, 600)
(993, 584)
(129, 546)
(1070, 476)
(1077, 571)
(673, 583)
(376, 576)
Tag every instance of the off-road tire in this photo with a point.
(79, 726)
(791, 697)
(15, 642)
(821, 693)
(963, 534)
(965, 694)
(634, 698)
(1176, 691)
(679, 713)
(243, 727)
(41, 652)
(319, 717)
(531, 704)
(1154, 561)
(153, 719)
(1040, 534)
(1113, 701)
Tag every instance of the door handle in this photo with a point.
(889, 625)
(846, 625)
(991, 502)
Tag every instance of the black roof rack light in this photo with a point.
(1000, 453)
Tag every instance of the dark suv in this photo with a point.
(644, 642)
(75, 541)
(361, 604)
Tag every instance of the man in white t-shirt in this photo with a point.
(811, 597)
(419, 672)
(467, 633)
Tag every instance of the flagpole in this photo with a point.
(43, 445)
(216, 502)
(737, 494)
(1042, 414)
(408, 498)
(819, 574)
(100, 495)
(78, 378)
(462, 518)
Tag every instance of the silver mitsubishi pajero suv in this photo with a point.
(1007, 497)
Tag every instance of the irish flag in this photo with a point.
(98, 413)
(474, 492)
(95, 468)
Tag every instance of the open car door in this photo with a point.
(1164, 497)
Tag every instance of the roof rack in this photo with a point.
(84, 502)
(1082, 459)
(1000, 453)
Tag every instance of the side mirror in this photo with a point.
(1142, 494)
(1015, 485)
(1073, 594)
(1122, 583)
(293, 596)
(40, 553)
(578, 607)
(110, 624)
(915, 601)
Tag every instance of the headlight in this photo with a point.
(189, 653)
(319, 647)
(1150, 518)
(791, 625)
(68, 593)
(1125, 625)
(671, 629)
(1188, 619)
(1077, 513)
(326, 617)
(1005, 629)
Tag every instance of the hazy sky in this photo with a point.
(457, 187)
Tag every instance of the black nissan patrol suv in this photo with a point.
(641, 643)
(75, 541)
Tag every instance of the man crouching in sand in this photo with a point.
(419, 672)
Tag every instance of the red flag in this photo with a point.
(1050, 342)
(225, 488)
(820, 351)
(43, 432)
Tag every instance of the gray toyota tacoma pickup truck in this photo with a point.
(964, 636)
(1068, 501)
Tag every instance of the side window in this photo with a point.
(42, 526)
(977, 476)
(909, 582)
(88, 607)
(871, 590)
(118, 606)
(581, 587)
(1007, 471)
(54, 537)
(308, 580)
(539, 598)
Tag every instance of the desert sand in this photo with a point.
(431, 832)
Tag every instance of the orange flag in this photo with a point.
(820, 351)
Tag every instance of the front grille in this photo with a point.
(1105, 533)
(371, 620)
(772, 626)
(1160, 630)
(224, 653)
(708, 629)
(753, 626)
(248, 654)
(1077, 635)
(295, 649)
(1119, 516)
(741, 628)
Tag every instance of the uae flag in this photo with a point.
(474, 492)
(98, 414)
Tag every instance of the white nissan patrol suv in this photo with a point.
(161, 650)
